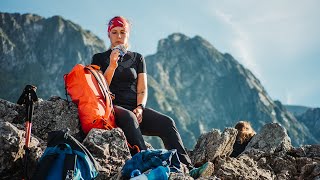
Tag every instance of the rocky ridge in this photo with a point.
(39, 51)
(269, 155)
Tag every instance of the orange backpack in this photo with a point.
(88, 88)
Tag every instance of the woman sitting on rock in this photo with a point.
(245, 134)
(126, 73)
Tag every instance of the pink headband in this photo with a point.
(118, 22)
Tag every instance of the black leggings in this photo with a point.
(153, 124)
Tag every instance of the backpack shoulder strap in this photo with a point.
(65, 87)
(44, 167)
(101, 81)
(84, 150)
(69, 166)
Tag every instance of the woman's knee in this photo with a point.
(168, 122)
(124, 116)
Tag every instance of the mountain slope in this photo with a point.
(213, 89)
(39, 51)
(296, 110)
(311, 118)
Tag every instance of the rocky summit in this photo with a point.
(269, 155)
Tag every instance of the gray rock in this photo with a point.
(241, 168)
(272, 138)
(110, 149)
(306, 151)
(11, 112)
(12, 152)
(311, 171)
(55, 114)
(213, 144)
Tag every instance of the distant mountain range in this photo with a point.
(189, 80)
(297, 110)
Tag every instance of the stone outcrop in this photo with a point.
(269, 155)
(109, 148)
(12, 152)
(272, 138)
(213, 144)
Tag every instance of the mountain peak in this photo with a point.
(172, 40)
(177, 41)
(176, 37)
(192, 72)
(50, 45)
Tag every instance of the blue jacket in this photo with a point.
(150, 159)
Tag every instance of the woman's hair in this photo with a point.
(245, 131)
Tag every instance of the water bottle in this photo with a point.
(122, 49)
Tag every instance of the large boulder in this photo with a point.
(243, 167)
(48, 115)
(272, 138)
(109, 148)
(55, 114)
(213, 144)
(12, 153)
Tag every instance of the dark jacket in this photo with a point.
(238, 148)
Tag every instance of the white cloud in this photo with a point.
(241, 44)
(288, 98)
(278, 41)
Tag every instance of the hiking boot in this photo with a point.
(205, 170)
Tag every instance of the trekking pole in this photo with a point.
(28, 97)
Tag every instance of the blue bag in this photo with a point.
(65, 158)
(151, 159)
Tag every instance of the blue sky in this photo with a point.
(278, 40)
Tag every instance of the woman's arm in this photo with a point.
(108, 74)
(142, 89)
(114, 57)
(142, 95)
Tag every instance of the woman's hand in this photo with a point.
(114, 57)
(138, 112)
